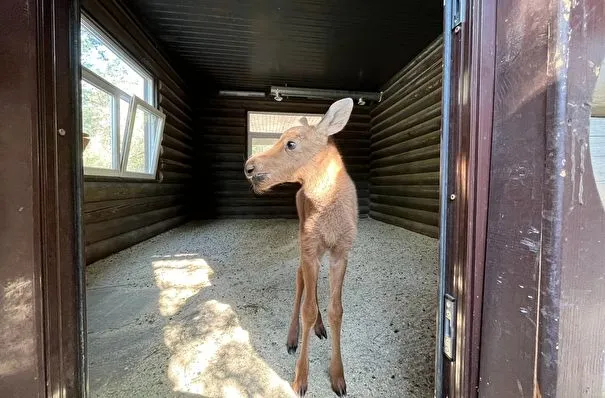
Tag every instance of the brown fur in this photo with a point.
(327, 209)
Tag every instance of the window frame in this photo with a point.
(251, 135)
(151, 158)
(120, 148)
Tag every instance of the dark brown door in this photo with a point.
(40, 251)
(469, 39)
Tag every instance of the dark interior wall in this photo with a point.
(404, 142)
(222, 150)
(119, 213)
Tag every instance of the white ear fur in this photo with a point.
(336, 117)
(303, 121)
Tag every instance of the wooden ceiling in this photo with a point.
(336, 44)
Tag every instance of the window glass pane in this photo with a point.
(103, 59)
(262, 144)
(96, 122)
(597, 151)
(261, 122)
(597, 134)
(144, 142)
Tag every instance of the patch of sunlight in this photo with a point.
(16, 344)
(178, 280)
(212, 356)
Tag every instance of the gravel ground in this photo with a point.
(203, 311)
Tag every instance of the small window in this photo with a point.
(121, 127)
(265, 128)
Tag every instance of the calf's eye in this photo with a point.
(290, 145)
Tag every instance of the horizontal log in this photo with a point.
(402, 133)
(417, 191)
(96, 212)
(431, 52)
(432, 76)
(104, 248)
(428, 204)
(424, 229)
(173, 165)
(425, 140)
(100, 191)
(416, 104)
(421, 216)
(176, 144)
(177, 123)
(167, 102)
(263, 211)
(431, 178)
(223, 139)
(428, 152)
(180, 98)
(173, 131)
(174, 154)
(173, 176)
(421, 166)
(95, 232)
(403, 122)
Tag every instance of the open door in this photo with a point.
(41, 300)
(468, 87)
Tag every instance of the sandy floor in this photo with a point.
(203, 310)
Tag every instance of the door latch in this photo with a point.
(449, 327)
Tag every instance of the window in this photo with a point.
(119, 119)
(265, 128)
(597, 134)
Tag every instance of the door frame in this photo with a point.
(44, 247)
(468, 95)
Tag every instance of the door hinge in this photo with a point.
(449, 327)
(458, 12)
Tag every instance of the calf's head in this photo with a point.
(286, 160)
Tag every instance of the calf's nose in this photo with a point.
(249, 169)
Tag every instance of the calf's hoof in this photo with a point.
(292, 342)
(320, 331)
(299, 388)
(339, 386)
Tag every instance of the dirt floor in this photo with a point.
(203, 311)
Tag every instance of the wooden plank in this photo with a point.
(404, 121)
(418, 103)
(428, 152)
(421, 216)
(421, 166)
(421, 228)
(104, 248)
(174, 132)
(96, 212)
(423, 141)
(177, 144)
(430, 77)
(95, 232)
(418, 191)
(174, 154)
(400, 132)
(103, 191)
(173, 176)
(428, 204)
(408, 179)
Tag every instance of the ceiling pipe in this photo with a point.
(233, 93)
(361, 96)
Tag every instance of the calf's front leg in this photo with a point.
(310, 270)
